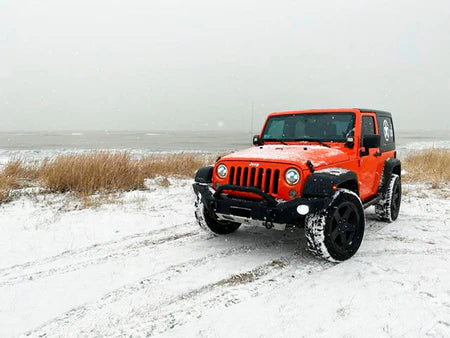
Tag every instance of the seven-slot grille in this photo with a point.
(265, 179)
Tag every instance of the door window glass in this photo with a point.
(367, 127)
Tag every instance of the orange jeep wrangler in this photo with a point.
(314, 168)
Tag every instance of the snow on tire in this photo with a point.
(200, 214)
(388, 208)
(209, 223)
(336, 233)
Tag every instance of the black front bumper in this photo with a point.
(267, 210)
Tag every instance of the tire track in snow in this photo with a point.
(188, 306)
(174, 270)
(153, 282)
(426, 252)
(180, 310)
(94, 254)
(4, 271)
(241, 286)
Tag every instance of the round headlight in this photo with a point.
(222, 171)
(292, 176)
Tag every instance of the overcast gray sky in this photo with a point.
(189, 65)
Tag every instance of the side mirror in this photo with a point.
(371, 141)
(256, 140)
(350, 142)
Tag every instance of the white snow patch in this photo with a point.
(291, 153)
(333, 171)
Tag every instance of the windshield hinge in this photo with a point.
(310, 166)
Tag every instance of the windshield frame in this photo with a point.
(304, 139)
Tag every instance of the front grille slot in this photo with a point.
(260, 177)
(244, 180)
(252, 182)
(232, 175)
(238, 176)
(265, 179)
(276, 177)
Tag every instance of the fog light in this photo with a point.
(302, 209)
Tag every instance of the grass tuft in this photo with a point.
(101, 172)
(5, 190)
(428, 166)
(13, 176)
(182, 165)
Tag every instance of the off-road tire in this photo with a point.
(388, 208)
(209, 223)
(336, 233)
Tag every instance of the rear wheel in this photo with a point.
(336, 233)
(388, 208)
(210, 223)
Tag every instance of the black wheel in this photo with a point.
(388, 208)
(336, 233)
(210, 223)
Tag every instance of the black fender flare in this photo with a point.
(321, 182)
(391, 165)
(204, 175)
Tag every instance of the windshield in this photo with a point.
(325, 127)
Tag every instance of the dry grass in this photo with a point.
(107, 172)
(96, 201)
(19, 171)
(182, 165)
(5, 189)
(428, 166)
(98, 172)
(90, 173)
(14, 176)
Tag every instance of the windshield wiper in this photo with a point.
(274, 140)
(294, 140)
(312, 140)
(321, 143)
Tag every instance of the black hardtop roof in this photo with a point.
(378, 112)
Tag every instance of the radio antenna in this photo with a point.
(251, 120)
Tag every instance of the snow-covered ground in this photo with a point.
(141, 266)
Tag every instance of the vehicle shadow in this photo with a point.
(281, 242)
(291, 241)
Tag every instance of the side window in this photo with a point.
(367, 126)
(386, 133)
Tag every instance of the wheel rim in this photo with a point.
(344, 224)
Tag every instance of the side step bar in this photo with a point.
(372, 201)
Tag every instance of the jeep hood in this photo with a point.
(290, 154)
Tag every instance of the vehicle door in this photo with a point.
(369, 175)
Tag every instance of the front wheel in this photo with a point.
(336, 233)
(209, 223)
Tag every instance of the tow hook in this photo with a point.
(269, 219)
(268, 225)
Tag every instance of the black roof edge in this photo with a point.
(367, 110)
